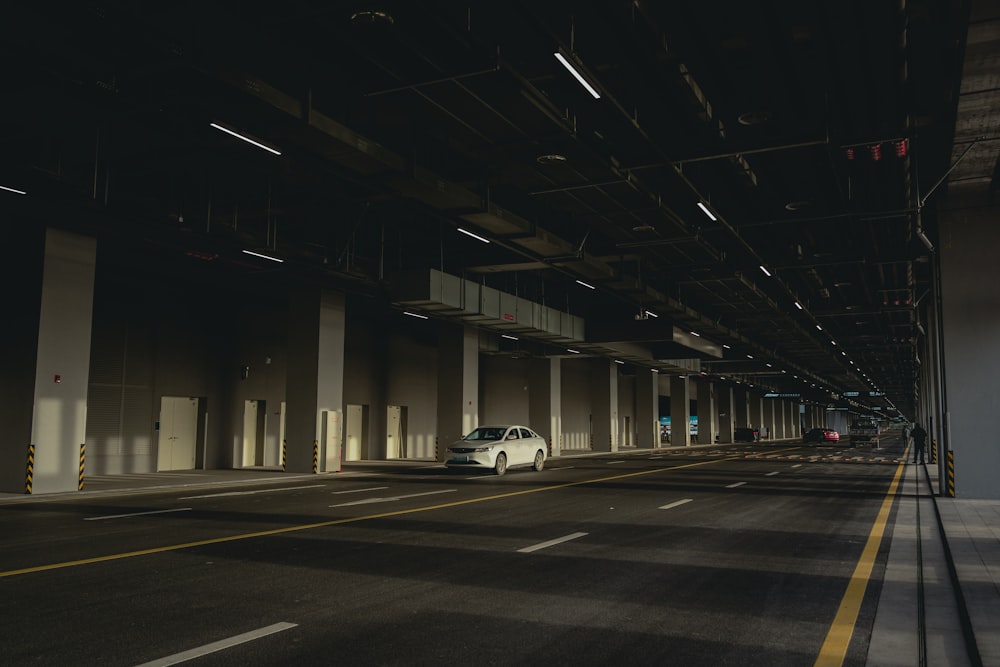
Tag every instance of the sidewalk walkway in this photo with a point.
(923, 618)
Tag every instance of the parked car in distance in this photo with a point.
(745, 434)
(498, 448)
(821, 435)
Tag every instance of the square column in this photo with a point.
(725, 404)
(755, 408)
(741, 408)
(604, 405)
(647, 408)
(545, 401)
(314, 390)
(458, 384)
(680, 411)
(708, 413)
(44, 385)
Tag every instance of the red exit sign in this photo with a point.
(508, 317)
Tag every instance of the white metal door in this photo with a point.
(178, 433)
(249, 433)
(394, 431)
(353, 435)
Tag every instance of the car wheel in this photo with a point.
(500, 467)
(539, 461)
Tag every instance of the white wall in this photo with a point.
(576, 404)
(412, 382)
(971, 315)
(504, 390)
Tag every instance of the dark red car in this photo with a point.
(821, 435)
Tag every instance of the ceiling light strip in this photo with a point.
(704, 209)
(587, 285)
(263, 256)
(576, 75)
(475, 236)
(245, 138)
(416, 315)
(15, 191)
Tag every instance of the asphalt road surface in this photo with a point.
(739, 556)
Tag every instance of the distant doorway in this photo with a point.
(356, 435)
(178, 433)
(254, 428)
(395, 447)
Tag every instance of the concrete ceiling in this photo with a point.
(813, 134)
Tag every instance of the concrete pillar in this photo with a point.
(545, 401)
(43, 390)
(458, 384)
(726, 404)
(755, 409)
(647, 408)
(314, 390)
(741, 407)
(708, 413)
(970, 318)
(604, 405)
(680, 411)
(781, 419)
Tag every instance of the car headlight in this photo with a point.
(484, 448)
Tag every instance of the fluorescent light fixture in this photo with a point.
(572, 350)
(15, 191)
(852, 363)
(819, 328)
(244, 138)
(650, 313)
(726, 346)
(655, 370)
(475, 236)
(749, 356)
(576, 75)
(704, 209)
(587, 285)
(798, 305)
(619, 361)
(695, 333)
(416, 315)
(764, 269)
(263, 256)
(843, 353)
(833, 342)
(769, 365)
(509, 337)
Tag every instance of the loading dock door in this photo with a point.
(178, 433)
(356, 434)
(396, 431)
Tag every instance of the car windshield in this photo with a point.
(487, 433)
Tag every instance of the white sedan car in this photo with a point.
(498, 447)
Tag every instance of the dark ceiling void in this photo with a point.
(757, 174)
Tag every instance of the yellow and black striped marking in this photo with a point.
(284, 454)
(951, 474)
(315, 456)
(31, 469)
(83, 465)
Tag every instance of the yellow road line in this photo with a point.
(337, 522)
(834, 648)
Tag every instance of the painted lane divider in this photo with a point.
(834, 649)
(797, 465)
(550, 543)
(733, 486)
(374, 488)
(611, 463)
(342, 521)
(125, 516)
(219, 645)
(370, 501)
(676, 503)
(771, 474)
(251, 493)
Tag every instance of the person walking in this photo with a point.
(919, 436)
